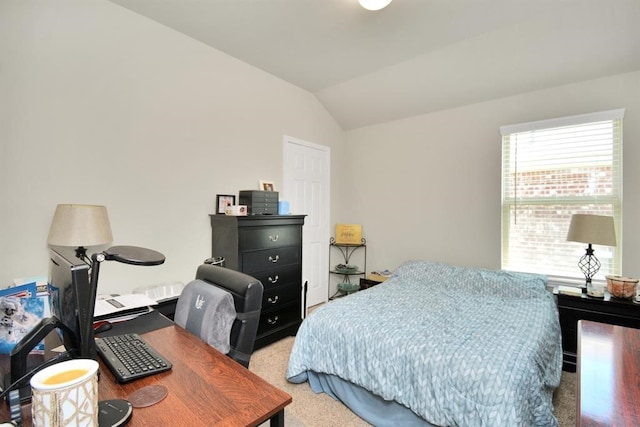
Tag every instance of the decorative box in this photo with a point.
(236, 210)
(259, 202)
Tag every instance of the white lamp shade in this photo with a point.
(594, 229)
(80, 225)
(374, 4)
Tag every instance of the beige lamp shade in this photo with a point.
(594, 229)
(80, 225)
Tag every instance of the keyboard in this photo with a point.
(129, 357)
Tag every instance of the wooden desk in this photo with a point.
(608, 375)
(206, 388)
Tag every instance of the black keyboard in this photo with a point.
(129, 357)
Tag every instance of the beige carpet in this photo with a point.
(310, 409)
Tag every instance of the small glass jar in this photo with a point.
(595, 290)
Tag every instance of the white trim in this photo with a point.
(563, 121)
(287, 138)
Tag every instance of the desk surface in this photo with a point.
(205, 387)
(608, 375)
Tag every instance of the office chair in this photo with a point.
(247, 300)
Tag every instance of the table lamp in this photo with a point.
(591, 229)
(79, 226)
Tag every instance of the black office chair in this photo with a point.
(247, 299)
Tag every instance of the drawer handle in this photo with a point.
(274, 260)
(273, 300)
(273, 239)
(272, 280)
(272, 321)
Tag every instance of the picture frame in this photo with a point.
(349, 234)
(267, 186)
(224, 200)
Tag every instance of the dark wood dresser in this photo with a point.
(269, 248)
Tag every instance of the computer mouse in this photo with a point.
(102, 327)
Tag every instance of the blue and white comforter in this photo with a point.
(458, 346)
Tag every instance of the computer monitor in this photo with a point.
(72, 302)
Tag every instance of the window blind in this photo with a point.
(552, 169)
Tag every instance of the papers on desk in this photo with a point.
(118, 308)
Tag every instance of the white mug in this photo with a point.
(66, 394)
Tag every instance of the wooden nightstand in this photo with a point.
(609, 310)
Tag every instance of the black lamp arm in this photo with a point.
(29, 342)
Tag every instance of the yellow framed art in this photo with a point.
(349, 234)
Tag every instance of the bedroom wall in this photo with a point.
(429, 187)
(100, 105)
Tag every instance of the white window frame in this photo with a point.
(511, 198)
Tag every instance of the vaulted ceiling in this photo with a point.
(415, 56)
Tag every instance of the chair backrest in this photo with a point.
(247, 299)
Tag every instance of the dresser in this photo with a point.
(269, 248)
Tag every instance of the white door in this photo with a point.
(306, 171)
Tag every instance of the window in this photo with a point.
(552, 169)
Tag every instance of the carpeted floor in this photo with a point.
(310, 409)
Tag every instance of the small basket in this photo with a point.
(348, 288)
(621, 287)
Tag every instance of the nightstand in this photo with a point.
(609, 310)
(367, 283)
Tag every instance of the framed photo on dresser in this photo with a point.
(224, 200)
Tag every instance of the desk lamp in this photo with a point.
(591, 229)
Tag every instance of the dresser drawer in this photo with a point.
(270, 258)
(280, 295)
(270, 237)
(274, 319)
(255, 196)
(280, 276)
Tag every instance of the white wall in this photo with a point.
(100, 105)
(428, 187)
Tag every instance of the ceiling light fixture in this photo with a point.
(374, 4)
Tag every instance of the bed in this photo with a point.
(437, 344)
